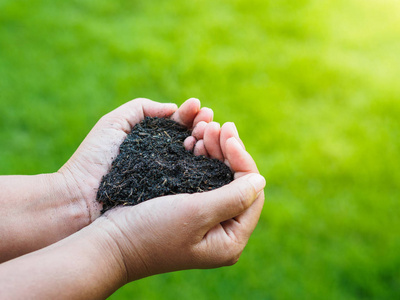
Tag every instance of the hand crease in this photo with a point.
(136, 252)
(89, 211)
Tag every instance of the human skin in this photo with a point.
(202, 230)
(39, 210)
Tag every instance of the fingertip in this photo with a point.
(170, 109)
(192, 105)
(213, 126)
(189, 143)
(135, 110)
(257, 181)
(233, 199)
(202, 124)
(200, 149)
(204, 115)
(186, 113)
(226, 132)
(249, 186)
(227, 125)
(235, 129)
(230, 129)
(174, 106)
(194, 100)
(209, 113)
(239, 159)
(234, 153)
(198, 130)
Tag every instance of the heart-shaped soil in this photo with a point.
(153, 162)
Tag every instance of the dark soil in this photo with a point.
(153, 162)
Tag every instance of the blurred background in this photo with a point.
(313, 87)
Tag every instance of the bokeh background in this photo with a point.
(312, 85)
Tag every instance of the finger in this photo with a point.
(198, 131)
(228, 201)
(134, 111)
(240, 161)
(211, 140)
(244, 224)
(189, 143)
(249, 218)
(155, 109)
(204, 115)
(187, 112)
(229, 130)
(199, 149)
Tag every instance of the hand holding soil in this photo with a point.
(92, 160)
(185, 231)
(164, 234)
(153, 162)
(182, 231)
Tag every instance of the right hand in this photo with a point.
(185, 231)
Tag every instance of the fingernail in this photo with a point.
(235, 141)
(172, 105)
(257, 181)
(218, 124)
(194, 99)
(236, 131)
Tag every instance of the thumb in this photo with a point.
(230, 200)
(136, 110)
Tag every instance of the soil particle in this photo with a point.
(153, 162)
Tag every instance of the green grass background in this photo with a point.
(313, 87)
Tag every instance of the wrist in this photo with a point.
(70, 206)
(112, 244)
(80, 191)
(105, 252)
(130, 252)
(81, 188)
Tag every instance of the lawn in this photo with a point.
(313, 87)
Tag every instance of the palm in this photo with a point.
(94, 157)
(199, 230)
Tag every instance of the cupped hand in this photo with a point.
(185, 231)
(92, 160)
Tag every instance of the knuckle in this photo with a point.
(106, 121)
(104, 118)
(232, 261)
(140, 100)
(227, 124)
(191, 210)
(233, 257)
(111, 121)
(245, 194)
(196, 212)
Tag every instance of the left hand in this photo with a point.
(92, 160)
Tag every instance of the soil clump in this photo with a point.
(153, 162)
